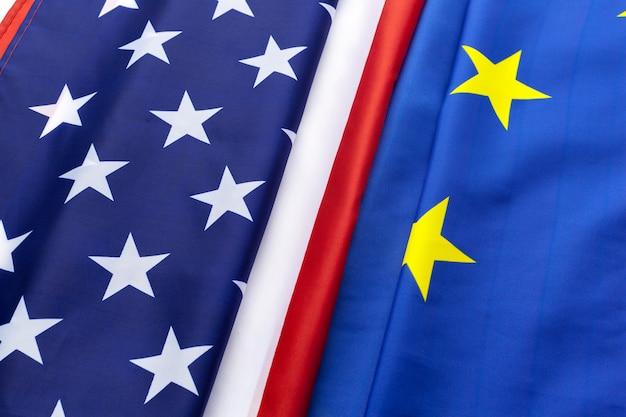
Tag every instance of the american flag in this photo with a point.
(141, 147)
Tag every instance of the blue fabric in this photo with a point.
(387, 211)
(537, 326)
(86, 357)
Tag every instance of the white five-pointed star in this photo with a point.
(129, 269)
(150, 42)
(58, 410)
(228, 197)
(224, 6)
(186, 121)
(19, 334)
(330, 9)
(7, 246)
(290, 134)
(92, 174)
(65, 110)
(171, 366)
(273, 60)
(112, 4)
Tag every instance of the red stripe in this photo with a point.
(12, 22)
(301, 345)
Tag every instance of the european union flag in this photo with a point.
(486, 274)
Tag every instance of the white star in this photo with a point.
(65, 110)
(129, 269)
(112, 4)
(7, 246)
(290, 134)
(150, 42)
(228, 197)
(273, 60)
(58, 410)
(186, 121)
(92, 174)
(224, 6)
(171, 366)
(330, 9)
(241, 285)
(19, 334)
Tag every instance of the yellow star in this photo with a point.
(426, 245)
(498, 82)
(622, 14)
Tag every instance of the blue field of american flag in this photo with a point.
(141, 147)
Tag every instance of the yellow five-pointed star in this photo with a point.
(498, 82)
(426, 245)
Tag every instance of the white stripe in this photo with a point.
(242, 375)
(5, 5)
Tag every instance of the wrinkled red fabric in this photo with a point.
(301, 345)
